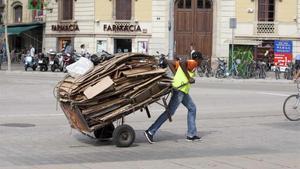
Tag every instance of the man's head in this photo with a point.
(82, 46)
(197, 56)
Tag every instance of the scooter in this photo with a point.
(67, 60)
(43, 62)
(56, 61)
(30, 62)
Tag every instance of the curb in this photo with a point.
(230, 80)
(33, 73)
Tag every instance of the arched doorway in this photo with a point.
(193, 24)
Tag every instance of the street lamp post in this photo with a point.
(6, 37)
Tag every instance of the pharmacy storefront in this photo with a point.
(119, 37)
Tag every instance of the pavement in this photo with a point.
(240, 121)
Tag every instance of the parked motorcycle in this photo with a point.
(100, 57)
(56, 61)
(67, 60)
(77, 56)
(43, 62)
(221, 69)
(30, 62)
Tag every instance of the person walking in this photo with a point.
(31, 50)
(183, 71)
(83, 51)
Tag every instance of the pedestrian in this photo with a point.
(183, 71)
(83, 51)
(31, 50)
(68, 48)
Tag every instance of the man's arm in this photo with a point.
(183, 65)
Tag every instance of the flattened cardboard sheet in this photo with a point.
(99, 87)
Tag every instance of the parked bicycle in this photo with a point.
(289, 71)
(250, 69)
(260, 71)
(277, 71)
(291, 106)
(204, 68)
(234, 72)
(221, 71)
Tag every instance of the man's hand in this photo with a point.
(191, 80)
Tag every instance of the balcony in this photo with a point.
(266, 28)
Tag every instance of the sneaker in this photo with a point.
(149, 137)
(194, 138)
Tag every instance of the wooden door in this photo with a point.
(193, 25)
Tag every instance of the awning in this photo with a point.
(18, 29)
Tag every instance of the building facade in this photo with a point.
(271, 27)
(112, 25)
(166, 26)
(25, 26)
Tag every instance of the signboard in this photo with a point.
(283, 52)
(232, 23)
(281, 46)
(122, 28)
(65, 27)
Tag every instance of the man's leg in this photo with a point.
(175, 100)
(191, 117)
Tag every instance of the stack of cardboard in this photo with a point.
(115, 88)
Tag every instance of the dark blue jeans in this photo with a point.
(177, 98)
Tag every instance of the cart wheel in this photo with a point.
(123, 136)
(105, 132)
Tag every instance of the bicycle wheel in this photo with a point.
(291, 108)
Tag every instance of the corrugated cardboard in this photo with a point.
(102, 85)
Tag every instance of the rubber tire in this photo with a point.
(52, 68)
(123, 136)
(284, 109)
(105, 132)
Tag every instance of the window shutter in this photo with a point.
(67, 9)
(123, 9)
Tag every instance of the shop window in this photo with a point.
(142, 46)
(18, 14)
(123, 45)
(123, 9)
(266, 10)
(66, 9)
(101, 45)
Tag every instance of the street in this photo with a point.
(240, 121)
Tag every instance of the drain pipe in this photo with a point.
(171, 29)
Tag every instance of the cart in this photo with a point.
(123, 135)
(115, 88)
